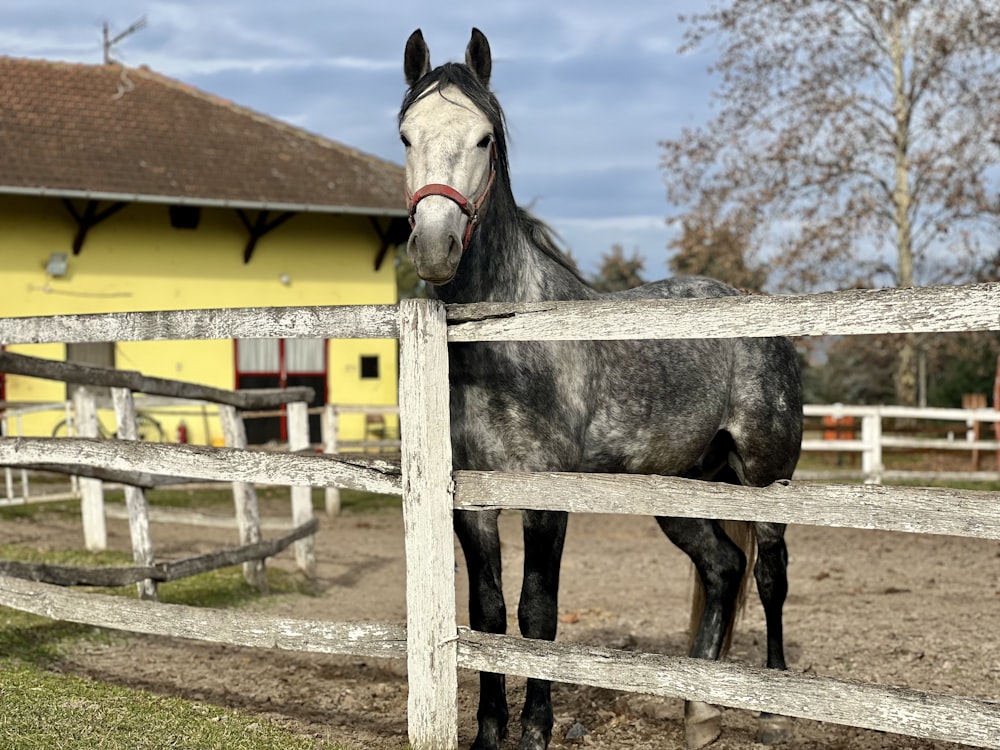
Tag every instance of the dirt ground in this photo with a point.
(893, 608)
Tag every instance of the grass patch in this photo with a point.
(39, 640)
(33, 510)
(43, 710)
(273, 499)
(29, 639)
(951, 484)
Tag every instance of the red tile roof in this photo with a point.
(105, 131)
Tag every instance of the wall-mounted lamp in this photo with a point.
(57, 265)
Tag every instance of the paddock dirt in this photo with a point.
(898, 609)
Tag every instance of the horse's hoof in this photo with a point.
(773, 729)
(534, 739)
(702, 724)
(490, 737)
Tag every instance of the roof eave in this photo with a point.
(184, 200)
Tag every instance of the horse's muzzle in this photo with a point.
(435, 256)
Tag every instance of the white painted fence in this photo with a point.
(434, 646)
(873, 440)
(11, 425)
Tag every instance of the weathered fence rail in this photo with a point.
(940, 309)
(11, 415)
(434, 646)
(936, 510)
(208, 463)
(77, 575)
(355, 321)
(71, 372)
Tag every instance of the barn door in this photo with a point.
(281, 363)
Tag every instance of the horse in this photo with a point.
(724, 410)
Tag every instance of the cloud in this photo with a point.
(588, 239)
(627, 223)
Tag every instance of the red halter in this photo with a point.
(468, 207)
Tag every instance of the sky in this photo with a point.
(588, 88)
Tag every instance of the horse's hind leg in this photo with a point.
(480, 539)
(537, 614)
(771, 572)
(720, 565)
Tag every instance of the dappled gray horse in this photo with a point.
(721, 410)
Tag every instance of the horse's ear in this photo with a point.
(416, 58)
(477, 57)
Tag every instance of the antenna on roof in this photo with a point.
(110, 42)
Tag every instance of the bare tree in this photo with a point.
(860, 140)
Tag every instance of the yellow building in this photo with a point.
(123, 190)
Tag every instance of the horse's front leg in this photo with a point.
(538, 612)
(480, 539)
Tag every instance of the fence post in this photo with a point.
(298, 440)
(135, 497)
(244, 497)
(70, 416)
(871, 437)
(25, 491)
(329, 430)
(9, 472)
(428, 504)
(95, 533)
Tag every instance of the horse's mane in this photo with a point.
(510, 214)
(544, 238)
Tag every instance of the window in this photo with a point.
(369, 366)
(281, 363)
(185, 217)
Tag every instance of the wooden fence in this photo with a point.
(11, 417)
(434, 647)
(147, 572)
(377, 437)
(872, 440)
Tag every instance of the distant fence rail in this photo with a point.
(872, 440)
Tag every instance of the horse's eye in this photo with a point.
(485, 142)
(406, 142)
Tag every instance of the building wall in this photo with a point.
(135, 261)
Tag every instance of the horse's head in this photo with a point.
(450, 126)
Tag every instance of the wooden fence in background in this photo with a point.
(377, 437)
(434, 647)
(148, 573)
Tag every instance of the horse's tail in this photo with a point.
(743, 536)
